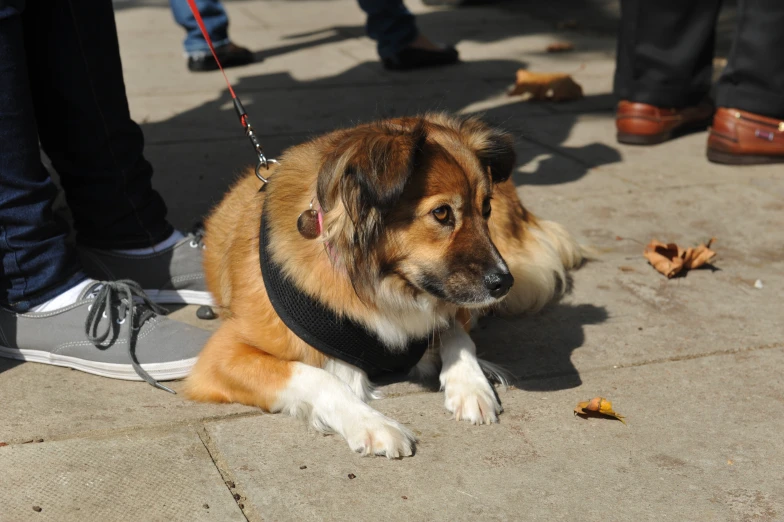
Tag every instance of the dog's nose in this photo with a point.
(498, 282)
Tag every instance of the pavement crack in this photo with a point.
(229, 481)
(650, 362)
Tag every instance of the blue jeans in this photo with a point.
(61, 83)
(389, 23)
(215, 20)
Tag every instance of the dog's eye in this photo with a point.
(486, 208)
(442, 214)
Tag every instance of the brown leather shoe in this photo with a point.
(744, 138)
(644, 124)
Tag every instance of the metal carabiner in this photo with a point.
(263, 162)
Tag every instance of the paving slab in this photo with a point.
(137, 476)
(701, 444)
(49, 402)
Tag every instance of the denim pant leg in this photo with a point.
(215, 20)
(390, 24)
(85, 126)
(36, 263)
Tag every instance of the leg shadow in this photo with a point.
(537, 349)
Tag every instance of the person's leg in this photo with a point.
(37, 264)
(663, 70)
(390, 24)
(49, 311)
(749, 125)
(216, 21)
(753, 80)
(86, 130)
(85, 126)
(665, 51)
(399, 43)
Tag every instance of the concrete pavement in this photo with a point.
(693, 363)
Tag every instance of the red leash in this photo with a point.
(254, 140)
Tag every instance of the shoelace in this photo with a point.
(115, 302)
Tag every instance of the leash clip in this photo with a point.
(263, 160)
(254, 140)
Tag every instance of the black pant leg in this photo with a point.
(754, 78)
(665, 51)
(85, 126)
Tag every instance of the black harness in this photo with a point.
(322, 329)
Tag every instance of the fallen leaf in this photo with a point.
(670, 259)
(597, 405)
(560, 47)
(547, 86)
(623, 268)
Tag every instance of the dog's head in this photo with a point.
(407, 204)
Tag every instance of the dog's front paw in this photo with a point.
(472, 400)
(375, 434)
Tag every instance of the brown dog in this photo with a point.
(417, 228)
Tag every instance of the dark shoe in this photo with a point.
(415, 58)
(644, 124)
(744, 138)
(230, 55)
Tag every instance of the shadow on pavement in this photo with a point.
(286, 111)
(7, 364)
(537, 349)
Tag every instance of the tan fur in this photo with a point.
(249, 359)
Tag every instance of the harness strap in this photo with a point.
(323, 329)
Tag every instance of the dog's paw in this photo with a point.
(375, 434)
(472, 400)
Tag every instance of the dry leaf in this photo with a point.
(547, 86)
(598, 405)
(670, 259)
(560, 47)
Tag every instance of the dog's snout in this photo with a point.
(498, 282)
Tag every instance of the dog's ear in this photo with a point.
(368, 167)
(493, 147)
(498, 155)
(365, 173)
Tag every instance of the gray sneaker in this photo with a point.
(113, 330)
(171, 276)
